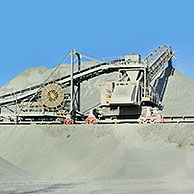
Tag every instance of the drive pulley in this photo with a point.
(53, 95)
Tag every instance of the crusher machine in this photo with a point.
(131, 97)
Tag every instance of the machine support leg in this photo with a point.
(78, 97)
(145, 84)
(72, 111)
(78, 86)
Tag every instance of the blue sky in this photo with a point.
(41, 32)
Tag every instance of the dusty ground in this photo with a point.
(114, 159)
(100, 187)
(101, 151)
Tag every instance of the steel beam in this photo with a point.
(78, 84)
(72, 84)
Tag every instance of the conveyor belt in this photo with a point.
(82, 75)
(156, 60)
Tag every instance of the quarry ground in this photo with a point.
(124, 158)
(100, 187)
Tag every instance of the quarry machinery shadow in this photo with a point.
(161, 82)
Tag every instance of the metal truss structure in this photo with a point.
(50, 101)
